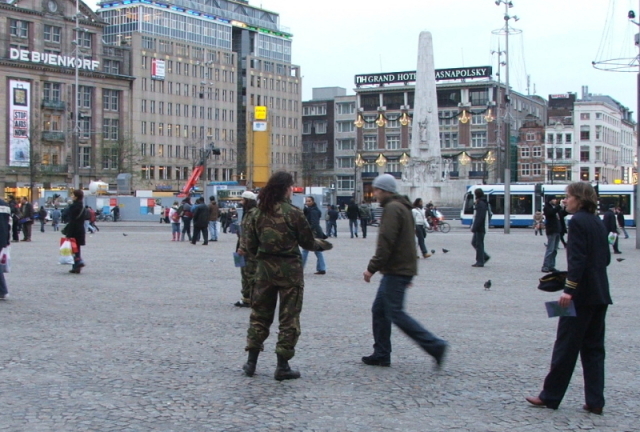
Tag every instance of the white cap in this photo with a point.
(249, 195)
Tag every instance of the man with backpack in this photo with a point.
(185, 213)
(364, 211)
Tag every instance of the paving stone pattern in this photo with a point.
(147, 339)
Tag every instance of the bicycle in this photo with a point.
(104, 217)
(438, 225)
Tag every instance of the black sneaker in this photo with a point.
(242, 304)
(376, 361)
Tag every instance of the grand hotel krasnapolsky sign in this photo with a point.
(441, 74)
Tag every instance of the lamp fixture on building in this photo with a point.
(464, 158)
(381, 122)
(489, 117)
(489, 158)
(381, 161)
(359, 161)
(464, 118)
(404, 159)
(405, 120)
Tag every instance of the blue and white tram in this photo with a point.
(526, 199)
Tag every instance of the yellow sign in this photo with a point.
(260, 113)
(617, 181)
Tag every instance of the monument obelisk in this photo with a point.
(423, 174)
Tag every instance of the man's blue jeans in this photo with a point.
(388, 308)
(320, 265)
(353, 227)
(213, 230)
(552, 250)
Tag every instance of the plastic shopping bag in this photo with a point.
(5, 260)
(612, 237)
(66, 253)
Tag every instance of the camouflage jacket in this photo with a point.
(275, 239)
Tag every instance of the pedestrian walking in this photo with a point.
(16, 215)
(186, 215)
(75, 228)
(214, 213)
(552, 227)
(353, 213)
(333, 221)
(247, 273)
(27, 219)
(116, 213)
(56, 216)
(395, 259)
(274, 234)
(611, 224)
(200, 222)
(587, 286)
(312, 213)
(42, 216)
(621, 223)
(174, 217)
(421, 226)
(364, 212)
(5, 240)
(479, 227)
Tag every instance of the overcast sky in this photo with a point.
(333, 40)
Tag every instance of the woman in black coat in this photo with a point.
(75, 228)
(587, 286)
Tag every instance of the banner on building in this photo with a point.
(157, 69)
(19, 120)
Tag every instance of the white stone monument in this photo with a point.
(423, 175)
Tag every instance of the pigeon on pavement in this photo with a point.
(124, 234)
(445, 250)
(619, 259)
(487, 285)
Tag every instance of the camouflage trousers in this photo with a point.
(248, 273)
(264, 298)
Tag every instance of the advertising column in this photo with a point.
(261, 151)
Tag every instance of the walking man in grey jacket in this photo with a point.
(395, 258)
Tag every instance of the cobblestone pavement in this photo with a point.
(147, 339)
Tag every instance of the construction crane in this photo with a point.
(197, 170)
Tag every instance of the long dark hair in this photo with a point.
(417, 203)
(275, 191)
(248, 205)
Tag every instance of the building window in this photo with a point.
(111, 100)
(85, 157)
(524, 152)
(311, 109)
(85, 127)
(109, 158)
(52, 33)
(479, 97)
(19, 28)
(585, 116)
(51, 91)
(536, 169)
(346, 144)
(111, 66)
(345, 162)
(84, 96)
(478, 139)
(525, 170)
(568, 138)
(110, 128)
(345, 182)
(584, 154)
(478, 119)
(346, 108)
(306, 127)
(448, 139)
(549, 138)
(152, 149)
(530, 136)
(52, 122)
(321, 127)
(585, 132)
(370, 142)
(567, 153)
(537, 152)
(320, 147)
(345, 126)
(83, 38)
(393, 142)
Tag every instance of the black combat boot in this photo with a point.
(249, 367)
(283, 371)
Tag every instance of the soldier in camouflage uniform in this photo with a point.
(274, 232)
(249, 270)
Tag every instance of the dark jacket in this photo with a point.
(200, 215)
(5, 215)
(42, 214)
(610, 222)
(214, 212)
(395, 250)
(588, 256)
(333, 215)
(75, 226)
(552, 218)
(27, 211)
(313, 215)
(353, 212)
(480, 215)
(620, 219)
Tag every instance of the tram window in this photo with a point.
(619, 200)
(521, 204)
(497, 204)
(468, 204)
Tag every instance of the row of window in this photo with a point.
(162, 172)
(278, 158)
(183, 50)
(196, 70)
(274, 84)
(52, 92)
(184, 152)
(178, 131)
(527, 170)
(182, 110)
(50, 33)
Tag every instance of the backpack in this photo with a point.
(175, 216)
